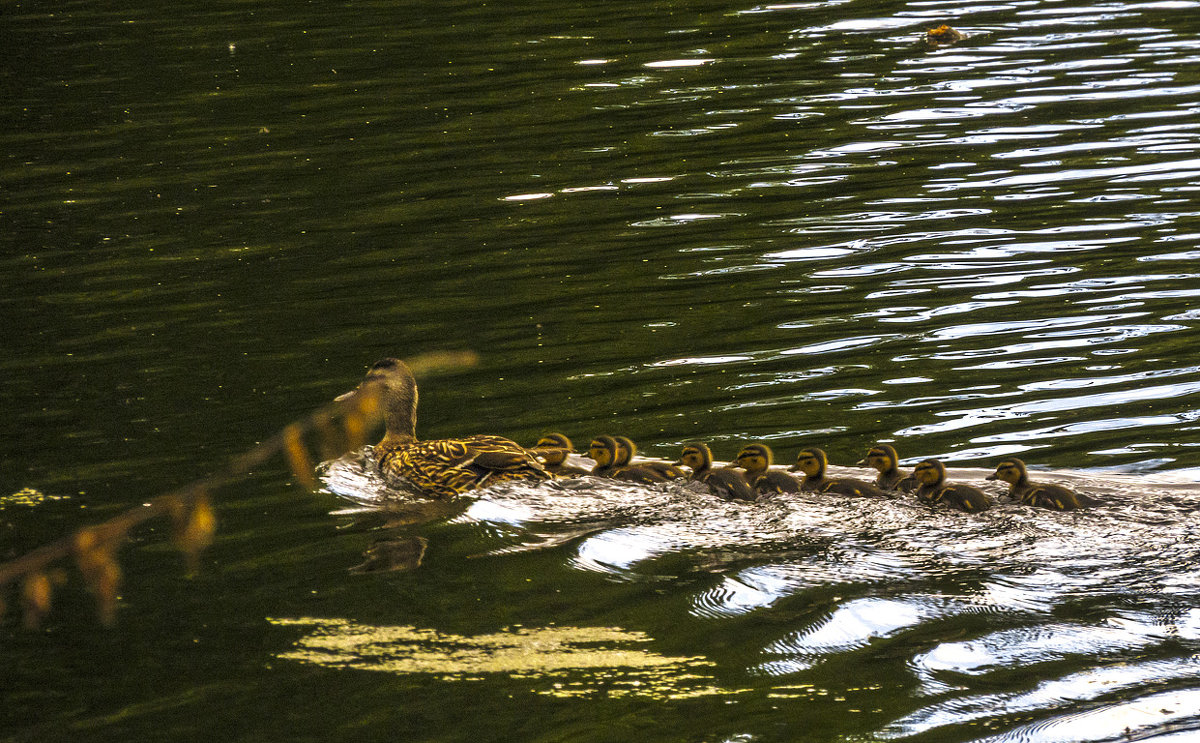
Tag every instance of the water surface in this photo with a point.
(782, 222)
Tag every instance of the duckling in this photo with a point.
(932, 475)
(812, 462)
(612, 457)
(885, 459)
(756, 459)
(659, 471)
(1056, 497)
(553, 449)
(442, 468)
(725, 483)
(943, 35)
(604, 450)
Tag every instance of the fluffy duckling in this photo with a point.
(885, 459)
(1056, 497)
(441, 468)
(553, 449)
(931, 474)
(756, 459)
(721, 482)
(603, 450)
(657, 471)
(812, 462)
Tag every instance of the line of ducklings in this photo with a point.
(750, 475)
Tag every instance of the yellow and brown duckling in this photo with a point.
(603, 450)
(612, 458)
(553, 449)
(645, 471)
(725, 483)
(931, 474)
(884, 458)
(813, 462)
(1056, 497)
(757, 459)
(943, 35)
(441, 468)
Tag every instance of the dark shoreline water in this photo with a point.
(788, 223)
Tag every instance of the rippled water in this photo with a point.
(789, 222)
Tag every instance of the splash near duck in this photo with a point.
(1041, 495)
(441, 468)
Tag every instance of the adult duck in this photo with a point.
(1042, 495)
(813, 462)
(931, 474)
(442, 468)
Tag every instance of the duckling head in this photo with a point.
(603, 450)
(625, 450)
(697, 456)
(931, 472)
(1011, 471)
(554, 441)
(882, 457)
(755, 457)
(812, 462)
(397, 397)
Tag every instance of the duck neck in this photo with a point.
(401, 419)
(1021, 486)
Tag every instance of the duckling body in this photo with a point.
(931, 474)
(813, 462)
(553, 449)
(885, 459)
(724, 483)
(644, 472)
(757, 459)
(1041, 495)
(442, 468)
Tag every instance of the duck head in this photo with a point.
(603, 450)
(625, 450)
(397, 397)
(1011, 471)
(697, 456)
(930, 473)
(812, 462)
(554, 441)
(755, 457)
(882, 457)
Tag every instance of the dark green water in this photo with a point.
(785, 223)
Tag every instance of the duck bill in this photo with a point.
(992, 476)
